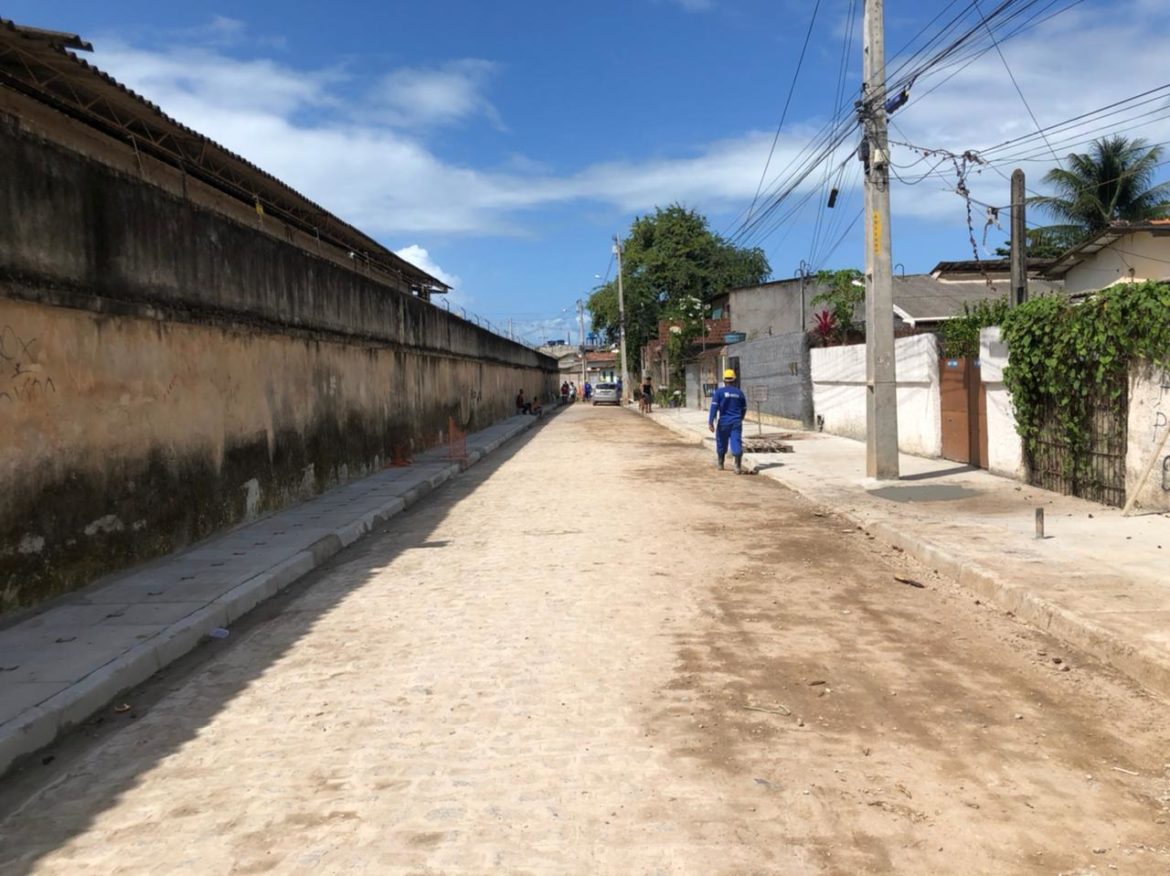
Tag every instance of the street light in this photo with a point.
(617, 251)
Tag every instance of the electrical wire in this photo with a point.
(787, 103)
(1012, 77)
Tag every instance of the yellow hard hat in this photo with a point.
(729, 374)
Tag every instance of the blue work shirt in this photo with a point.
(730, 404)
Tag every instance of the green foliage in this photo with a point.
(1113, 181)
(1067, 355)
(960, 336)
(670, 259)
(842, 297)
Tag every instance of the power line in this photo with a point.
(787, 103)
(1012, 77)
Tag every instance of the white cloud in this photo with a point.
(376, 170)
(420, 258)
(423, 98)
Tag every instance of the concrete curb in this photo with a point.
(1142, 665)
(38, 727)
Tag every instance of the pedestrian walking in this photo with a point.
(728, 405)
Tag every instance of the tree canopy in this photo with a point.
(670, 259)
(1113, 182)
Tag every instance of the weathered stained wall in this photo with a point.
(775, 308)
(1148, 448)
(167, 371)
(838, 378)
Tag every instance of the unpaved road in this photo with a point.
(592, 653)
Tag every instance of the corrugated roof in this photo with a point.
(37, 63)
(922, 298)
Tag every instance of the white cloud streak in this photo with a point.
(368, 159)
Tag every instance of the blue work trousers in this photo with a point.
(731, 432)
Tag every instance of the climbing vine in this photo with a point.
(1064, 356)
(960, 335)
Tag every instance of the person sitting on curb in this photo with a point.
(522, 407)
(537, 409)
(729, 404)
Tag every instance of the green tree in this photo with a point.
(671, 258)
(1113, 182)
(842, 294)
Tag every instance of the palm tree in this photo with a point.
(1111, 183)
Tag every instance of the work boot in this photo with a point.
(739, 463)
(719, 464)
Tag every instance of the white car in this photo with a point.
(606, 394)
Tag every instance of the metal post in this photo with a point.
(581, 326)
(617, 250)
(1019, 240)
(881, 446)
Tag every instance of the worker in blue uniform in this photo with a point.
(728, 404)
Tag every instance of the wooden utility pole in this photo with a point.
(617, 251)
(1019, 240)
(881, 408)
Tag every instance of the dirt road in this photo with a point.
(593, 653)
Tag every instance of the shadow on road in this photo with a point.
(91, 747)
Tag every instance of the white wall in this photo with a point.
(1005, 450)
(1138, 256)
(838, 378)
(1149, 421)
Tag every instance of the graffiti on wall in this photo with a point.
(22, 377)
(1161, 420)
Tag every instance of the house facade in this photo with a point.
(1122, 253)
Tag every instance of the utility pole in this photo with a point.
(581, 326)
(1019, 240)
(881, 399)
(617, 251)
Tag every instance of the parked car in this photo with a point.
(606, 394)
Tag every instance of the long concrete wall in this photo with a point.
(838, 379)
(167, 371)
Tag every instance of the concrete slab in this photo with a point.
(21, 696)
(56, 655)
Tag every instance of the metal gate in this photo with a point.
(1101, 476)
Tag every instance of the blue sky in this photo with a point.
(500, 143)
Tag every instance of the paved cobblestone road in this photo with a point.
(594, 654)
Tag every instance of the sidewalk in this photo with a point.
(1099, 581)
(60, 666)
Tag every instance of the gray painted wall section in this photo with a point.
(780, 363)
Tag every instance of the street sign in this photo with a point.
(758, 393)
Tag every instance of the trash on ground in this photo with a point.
(219, 633)
(780, 709)
(910, 581)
